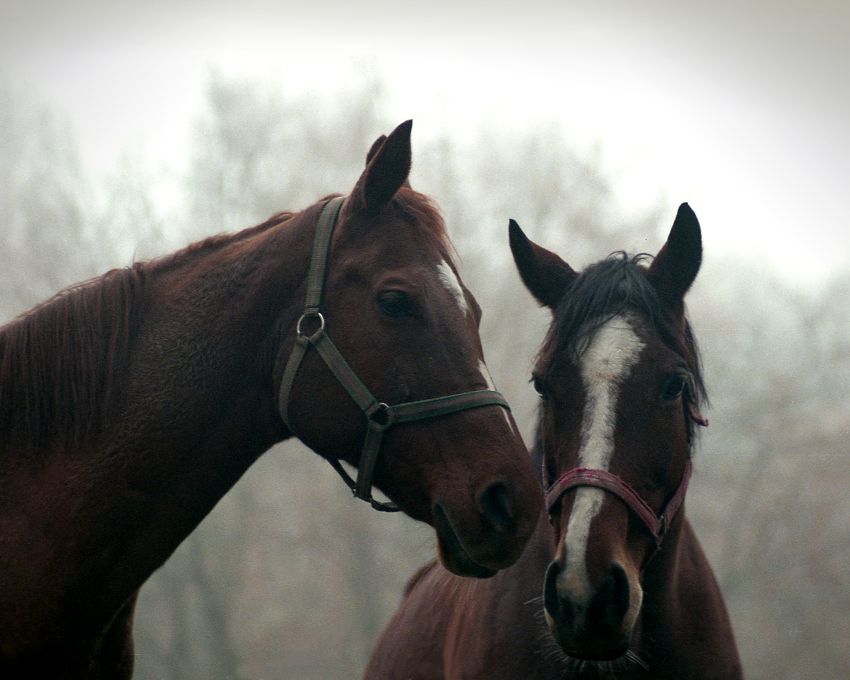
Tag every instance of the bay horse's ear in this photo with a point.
(387, 168)
(677, 263)
(546, 275)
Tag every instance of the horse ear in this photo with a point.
(546, 275)
(677, 263)
(387, 168)
(378, 143)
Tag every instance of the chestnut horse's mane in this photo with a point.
(61, 364)
(422, 212)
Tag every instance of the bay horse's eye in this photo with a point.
(674, 386)
(396, 304)
(540, 387)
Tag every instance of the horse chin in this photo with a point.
(453, 555)
(617, 653)
(589, 648)
(599, 651)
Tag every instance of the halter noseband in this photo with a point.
(379, 416)
(656, 524)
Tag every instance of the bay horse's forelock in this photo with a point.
(149, 391)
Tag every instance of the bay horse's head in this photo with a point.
(620, 384)
(420, 420)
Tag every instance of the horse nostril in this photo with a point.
(552, 602)
(496, 506)
(612, 599)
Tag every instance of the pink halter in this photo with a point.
(656, 524)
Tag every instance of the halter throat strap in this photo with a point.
(310, 332)
(657, 524)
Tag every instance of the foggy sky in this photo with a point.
(738, 108)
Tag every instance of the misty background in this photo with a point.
(291, 578)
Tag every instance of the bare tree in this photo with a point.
(42, 201)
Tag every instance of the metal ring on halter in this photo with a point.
(380, 416)
(299, 332)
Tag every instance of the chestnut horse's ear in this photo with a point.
(546, 275)
(677, 263)
(387, 168)
(378, 143)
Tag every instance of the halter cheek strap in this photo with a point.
(656, 524)
(379, 416)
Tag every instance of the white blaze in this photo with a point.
(605, 362)
(485, 372)
(449, 280)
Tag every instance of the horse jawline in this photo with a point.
(453, 555)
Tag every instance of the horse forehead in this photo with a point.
(609, 353)
(604, 364)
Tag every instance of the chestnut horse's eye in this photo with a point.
(540, 387)
(674, 386)
(396, 304)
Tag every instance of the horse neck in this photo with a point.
(213, 332)
(195, 407)
(680, 597)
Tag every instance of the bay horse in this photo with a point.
(627, 591)
(130, 404)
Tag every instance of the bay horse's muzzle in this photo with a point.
(592, 611)
(589, 621)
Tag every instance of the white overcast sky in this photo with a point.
(741, 108)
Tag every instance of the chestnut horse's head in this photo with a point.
(396, 312)
(620, 384)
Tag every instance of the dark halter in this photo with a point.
(656, 524)
(379, 416)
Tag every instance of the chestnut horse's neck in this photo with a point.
(62, 365)
(684, 629)
(172, 363)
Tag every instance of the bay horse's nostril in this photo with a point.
(552, 601)
(611, 601)
(496, 506)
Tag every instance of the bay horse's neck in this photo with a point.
(684, 622)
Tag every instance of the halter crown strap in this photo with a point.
(380, 417)
(312, 303)
(656, 524)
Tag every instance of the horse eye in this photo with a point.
(396, 304)
(673, 387)
(540, 387)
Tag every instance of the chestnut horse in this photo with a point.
(130, 404)
(626, 589)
